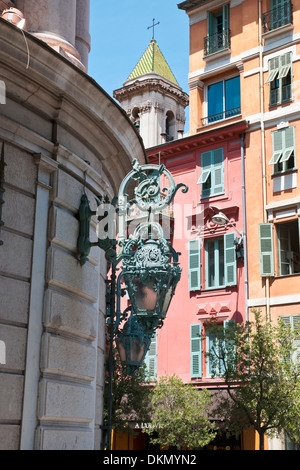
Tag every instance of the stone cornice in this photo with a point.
(151, 84)
(197, 141)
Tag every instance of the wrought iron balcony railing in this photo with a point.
(223, 115)
(278, 17)
(217, 42)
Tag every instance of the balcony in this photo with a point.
(220, 116)
(277, 17)
(217, 42)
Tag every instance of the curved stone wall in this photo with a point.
(59, 129)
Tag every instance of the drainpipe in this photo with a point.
(263, 153)
(244, 225)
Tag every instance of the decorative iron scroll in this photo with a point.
(148, 196)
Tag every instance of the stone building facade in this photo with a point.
(60, 135)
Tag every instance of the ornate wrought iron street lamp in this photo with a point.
(149, 267)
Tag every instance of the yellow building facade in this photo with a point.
(244, 65)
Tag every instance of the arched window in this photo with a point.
(170, 126)
(135, 118)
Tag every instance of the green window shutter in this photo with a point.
(212, 173)
(278, 147)
(296, 326)
(288, 143)
(285, 64)
(274, 65)
(206, 174)
(217, 172)
(266, 250)
(151, 358)
(230, 324)
(194, 264)
(230, 259)
(210, 32)
(210, 24)
(293, 321)
(196, 350)
(225, 17)
(212, 346)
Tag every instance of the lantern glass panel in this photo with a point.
(131, 350)
(145, 295)
(167, 301)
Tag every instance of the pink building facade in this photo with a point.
(213, 283)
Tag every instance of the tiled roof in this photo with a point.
(153, 61)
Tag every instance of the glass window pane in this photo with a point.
(221, 263)
(232, 95)
(210, 247)
(215, 99)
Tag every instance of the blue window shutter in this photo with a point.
(217, 172)
(266, 250)
(151, 358)
(196, 350)
(230, 259)
(194, 264)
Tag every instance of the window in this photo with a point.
(288, 248)
(170, 126)
(216, 347)
(218, 33)
(212, 173)
(151, 359)
(196, 350)
(223, 100)
(280, 79)
(293, 321)
(135, 118)
(220, 262)
(214, 263)
(281, 13)
(283, 157)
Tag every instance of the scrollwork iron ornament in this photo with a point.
(149, 196)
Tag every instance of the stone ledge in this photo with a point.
(64, 439)
(69, 315)
(65, 272)
(68, 358)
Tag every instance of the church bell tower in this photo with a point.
(153, 99)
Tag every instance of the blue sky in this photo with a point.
(120, 37)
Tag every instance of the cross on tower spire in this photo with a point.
(153, 26)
